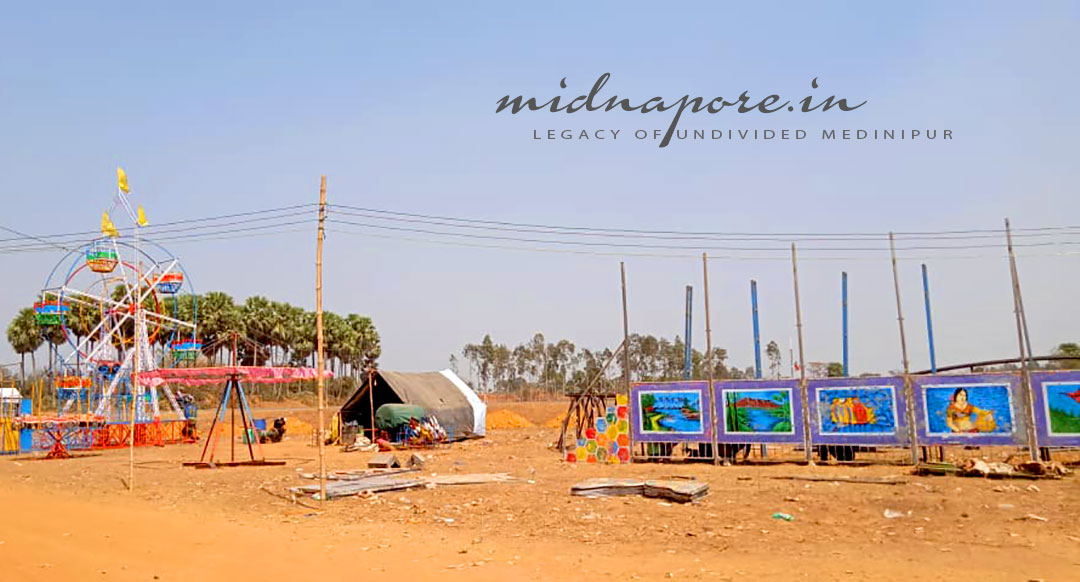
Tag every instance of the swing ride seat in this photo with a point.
(185, 350)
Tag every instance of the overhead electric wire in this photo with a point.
(219, 234)
(765, 237)
(785, 236)
(695, 256)
(677, 247)
(30, 236)
(629, 241)
(153, 226)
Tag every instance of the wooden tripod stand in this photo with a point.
(231, 395)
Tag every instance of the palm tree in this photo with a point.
(261, 325)
(24, 335)
(366, 347)
(81, 321)
(302, 337)
(219, 318)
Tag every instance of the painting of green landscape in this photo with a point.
(765, 411)
(1063, 407)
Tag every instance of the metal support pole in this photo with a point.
(757, 330)
(708, 358)
(929, 320)
(912, 436)
(688, 352)
(1025, 348)
(807, 445)
(843, 293)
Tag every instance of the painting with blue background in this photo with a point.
(1063, 407)
(864, 410)
(678, 412)
(988, 409)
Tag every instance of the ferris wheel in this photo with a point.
(119, 302)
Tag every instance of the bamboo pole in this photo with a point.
(319, 382)
(135, 364)
(371, 400)
(844, 317)
(908, 392)
(802, 360)
(626, 349)
(1025, 349)
(708, 360)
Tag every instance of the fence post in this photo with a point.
(708, 360)
(626, 351)
(807, 445)
(1025, 349)
(908, 391)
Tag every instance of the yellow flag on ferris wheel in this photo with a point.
(121, 180)
(141, 216)
(107, 226)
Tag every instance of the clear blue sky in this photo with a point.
(215, 110)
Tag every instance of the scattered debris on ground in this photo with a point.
(361, 443)
(470, 479)
(363, 486)
(383, 461)
(994, 470)
(365, 482)
(679, 491)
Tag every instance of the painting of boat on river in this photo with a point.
(671, 412)
(758, 411)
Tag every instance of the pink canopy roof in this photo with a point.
(217, 375)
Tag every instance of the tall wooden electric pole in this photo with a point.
(319, 339)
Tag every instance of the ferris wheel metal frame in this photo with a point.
(128, 276)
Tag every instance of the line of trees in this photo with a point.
(554, 367)
(276, 333)
(540, 367)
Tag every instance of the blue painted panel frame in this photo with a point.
(984, 391)
(700, 388)
(1059, 391)
(891, 428)
(764, 388)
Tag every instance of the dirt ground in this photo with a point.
(74, 520)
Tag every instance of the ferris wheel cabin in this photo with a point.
(170, 283)
(101, 257)
(50, 312)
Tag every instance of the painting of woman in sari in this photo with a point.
(961, 416)
(969, 409)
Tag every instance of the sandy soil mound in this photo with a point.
(506, 419)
